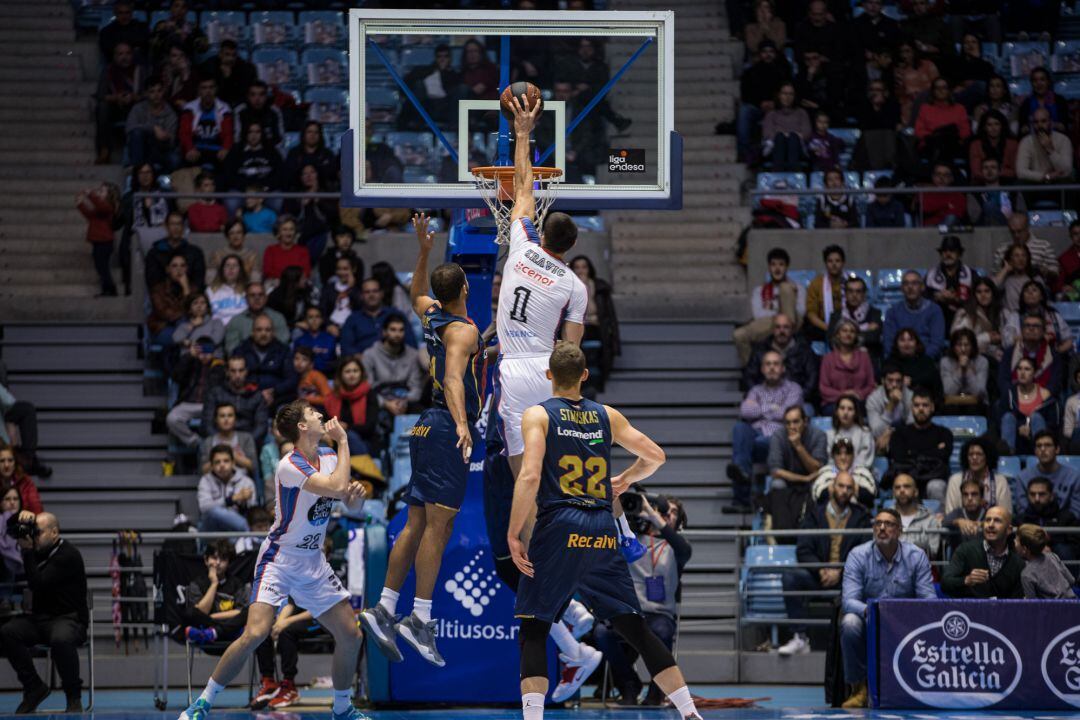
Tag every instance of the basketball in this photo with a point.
(531, 93)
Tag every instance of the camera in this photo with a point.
(632, 506)
(21, 530)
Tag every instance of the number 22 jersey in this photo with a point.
(577, 456)
(300, 516)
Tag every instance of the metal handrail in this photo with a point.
(918, 190)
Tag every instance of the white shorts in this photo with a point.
(521, 382)
(308, 579)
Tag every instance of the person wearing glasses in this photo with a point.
(885, 567)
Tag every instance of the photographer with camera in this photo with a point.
(58, 615)
(657, 521)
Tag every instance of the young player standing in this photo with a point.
(565, 480)
(440, 447)
(291, 560)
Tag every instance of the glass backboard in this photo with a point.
(424, 89)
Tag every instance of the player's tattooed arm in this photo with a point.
(524, 122)
(650, 456)
(418, 289)
(534, 427)
(459, 339)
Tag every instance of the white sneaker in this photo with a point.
(576, 672)
(799, 644)
(579, 619)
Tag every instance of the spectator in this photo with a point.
(285, 251)
(56, 579)
(225, 433)
(341, 296)
(847, 422)
(13, 476)
(167, 301)
(984, 315)
(1066, 481)
(989, 568)
(364, 325)
(226, 292)
(949, 284)
(1045, 155)
(819, 88)
(922, 449)
(19, 427)
(174, 242)
(835, 210)
(1044, 511)
(1044, 98)
(800, 362)
(258, 110)
(344, 239)
(761, 415)
(291, 626)
(817, 32)
(144, 220)
(198, 323)
(966, 520)
(885, 211)
(871, 32)
(885, 567)
(1000, 99)
(888, 407)
(313, 151)
(796, 455)
(969, 72)
(481, 77)
(269, 362)
(315, 217)
(943, 208)
(232, 73)
(291, 295)
(927, 30)
(206, 127)
(964, 373)
(842, 456)
(601, 321)
(766, 26)
(206, 214)
(179, 79)
(1027, 409)
(12, 567)
(920, 525)
(273, 451)
(224, 494)
(215, 603)
(242, 394)
(256, 217)
(993, 206)
(118, 90)
(322, 344)
(978, 462)
(942, 124)
(100, 206)
(846, 371)
(784, 130)
(839, 512)
(235, 235)
(395, 295)
(355, 406)
(1070, 428)
(151, 129)
(825, 293)
(1069, 264)
(394, 369)
(918, 314)
(919, 370)
(195, 373)
(993, 139)
(1044, 575)
(914, 74)
(253, 161)
(857, 309)
(758, 87)
(1032, 346)
(1034, 300)
(124, 28)
(1041, 252)
(177, 30)
(778, 295)
(438, 87)
(879, 118)
(311, 385)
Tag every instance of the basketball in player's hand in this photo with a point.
(531, 93)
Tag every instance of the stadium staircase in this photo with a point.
(47, 80)
(682, 264)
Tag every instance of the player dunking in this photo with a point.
(565, 481)
(440, 447)
(291, 560)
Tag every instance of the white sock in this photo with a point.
(210, 692)
(624, 527)
(569, 647)
(389, 600)
(532, 706)
(683, 702)
(422, 609)
(342, 700)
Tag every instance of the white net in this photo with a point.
(496, 187)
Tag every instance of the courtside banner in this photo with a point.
(972, 654)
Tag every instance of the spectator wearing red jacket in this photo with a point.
(285, 252)
(99, 206)
(949, 208)
(206, 127)
(11, 475)
(942, 124)
(206, 215)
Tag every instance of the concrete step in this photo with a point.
(82, 113)
(39, 307)
(45, 141)
(23, 239)
(84, 391)
(640, 249)
(729, 281)
(54, 290)
(672, 392)
(54, 171)
(38, 9)
(69, 72)
(98, 429)
(629, 103)
(66, 188)
(89, 463)
(12, 262)
(15, 62)
(673, 332)
(71, 158)
(13, 36)
(47, 333)
(55, 90)
(69, 216)
(37, 23)
(688, 270)
(642, 227)
(109, 511)
(696, 356)
(70, 274)
(55, 356)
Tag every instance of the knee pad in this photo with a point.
(533, 642)
(508, 573)
(654, 653)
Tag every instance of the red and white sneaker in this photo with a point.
(578, 619)
(286, 697)
(576, 672)
(266, 692)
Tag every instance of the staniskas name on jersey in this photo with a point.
(577, 454)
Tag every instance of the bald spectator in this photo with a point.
(987, 568)
(269, 362)
(920, 525)
(1046, 155)
(800, 362)
(239, 328)
(915, 311)
(1043, 258)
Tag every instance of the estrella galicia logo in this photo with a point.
(1061, 666)
(626, 160)
(319, 514)
(956, 663)
(473, 587)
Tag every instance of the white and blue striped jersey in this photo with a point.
(300, 516)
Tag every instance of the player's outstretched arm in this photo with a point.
(338, 484)
(650, 456)
(534, 426)
(418, 290)
(524, 122)
(459, 339)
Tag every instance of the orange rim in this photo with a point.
(499, 172)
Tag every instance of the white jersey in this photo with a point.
(300, 517)
(538, 293)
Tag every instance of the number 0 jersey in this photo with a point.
(300, 516)
(538, 293)
(577, 455)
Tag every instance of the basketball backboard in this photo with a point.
(423, 105)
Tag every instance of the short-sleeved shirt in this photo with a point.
(539, 292)
(300, 517)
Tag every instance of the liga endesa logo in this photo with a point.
(955, 663)
(1061, 666)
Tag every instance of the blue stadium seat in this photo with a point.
(292, 139)
(276, 66)
(1068, 87)
(867, 276)
(801, 277)
(416, 56)
(1070, 461)
(887, 288)
(1023, 57)
(1020, 87)
(413, 149)
(325, 66)
(224, 25)
(963, 428)
(1009, 467)
(821, 423)
(850, 137)
(383, 104)
(760, 574)
(1050, 218)
(1066, 57)
(820, 348)
(328, 105)
(322, 28)
(870, 177)
(332, 134)
(1028, 460)
(880, 466)
(400, 436)
(273, 27)
(159, 15)
(990, 51)
(1070, 313)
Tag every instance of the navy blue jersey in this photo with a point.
(578, 455)
(434, 320)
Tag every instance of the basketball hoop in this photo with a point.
(496, 186)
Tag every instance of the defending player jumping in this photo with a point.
(440, 447)
(574, 549)
(291, 562)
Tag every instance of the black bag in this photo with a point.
(788, 506)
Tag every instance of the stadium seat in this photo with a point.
(963, 428)
(325, 66)
(1066, 56)
(1068, 87)
(159, 15)
(224, 25)
(760, 574)
(820, 348)
(850, 137)
(1023, 57)
(1028, 460)
(413, 149)
(1020, 87)
(416, 56)
(383, 105)
(880, 467)
(1009, 467)
(1070, 313)
(276, 66)
(1070, 461)
(801, 277)
(292, 139)
(333, 133)
(274, 27)
(867, 276)
(328, 105)
(821, 423)
(887, 288)
(322, 28)
(1051, 218)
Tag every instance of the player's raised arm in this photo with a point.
(419, 290)
(524, 122)
(460, 339)
(338, 484)
(534, 427)
(650, 456)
